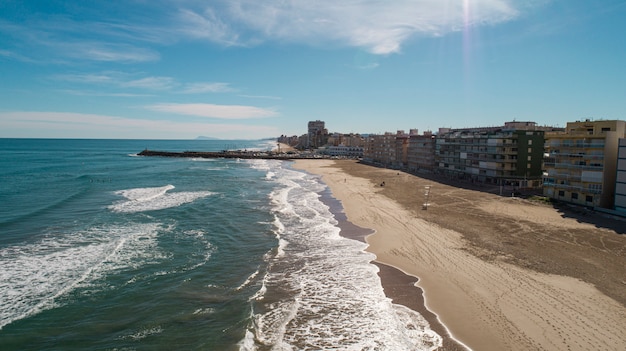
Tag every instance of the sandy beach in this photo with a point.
(497, 273)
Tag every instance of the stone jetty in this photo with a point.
(231, 154)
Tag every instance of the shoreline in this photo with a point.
(468, 251)
(399, 286)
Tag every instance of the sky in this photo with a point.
(251, 69)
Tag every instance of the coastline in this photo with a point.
(486, 296)
(400, 287)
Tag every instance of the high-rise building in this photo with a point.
(317, 134)
(581, 162)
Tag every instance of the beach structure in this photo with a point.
(581, 163)
(506, 155)
(343, 151)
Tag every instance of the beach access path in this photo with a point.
(501, 273)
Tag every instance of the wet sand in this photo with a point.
(499, 273)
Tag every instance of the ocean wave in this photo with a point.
(35, 276)
(248, 280)
(321, 291)
(156, 198)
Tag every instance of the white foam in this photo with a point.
(247, 343)
(334, 296)
(144, 333)
(200, 236)
(261, 292)
(204, 311)
(151, 199)
(248, 280)
(261, 164)
(202, 159)
(35, 276)
(145, 194)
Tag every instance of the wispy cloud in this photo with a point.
(15, 56)
(58, 38)
(154, 83)
(379, 26)
(197, 88)
(67, 124)
(214, 111)
(108, 52)
(90, 78)
(100, 93)
(268, 97)
(135, 81)
(207, 24)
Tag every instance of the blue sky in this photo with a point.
(251, 69)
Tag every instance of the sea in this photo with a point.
(101, 249)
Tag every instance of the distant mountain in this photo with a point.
(206, 138)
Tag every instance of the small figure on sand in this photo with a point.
(382, 184)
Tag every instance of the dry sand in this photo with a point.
(500, 273)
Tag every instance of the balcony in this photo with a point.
(560, 165)
(579, 189)
(575, 145)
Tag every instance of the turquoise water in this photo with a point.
(103, 250)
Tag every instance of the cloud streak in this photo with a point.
(163, 83)
(379, 26)
(214, 111)
(197, 88)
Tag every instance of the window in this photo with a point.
(530, 150)
(589, 198)
(561, 193)
(574, 196)
(597, 188)
(530, 142)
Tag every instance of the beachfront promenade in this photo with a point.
(268, 155)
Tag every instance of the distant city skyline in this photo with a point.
(244, 69)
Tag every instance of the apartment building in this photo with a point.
(350, 140)
(620, 185)
(380, 149)
(508, 155)
(402, 146)
(421, 152)
(581, 163)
